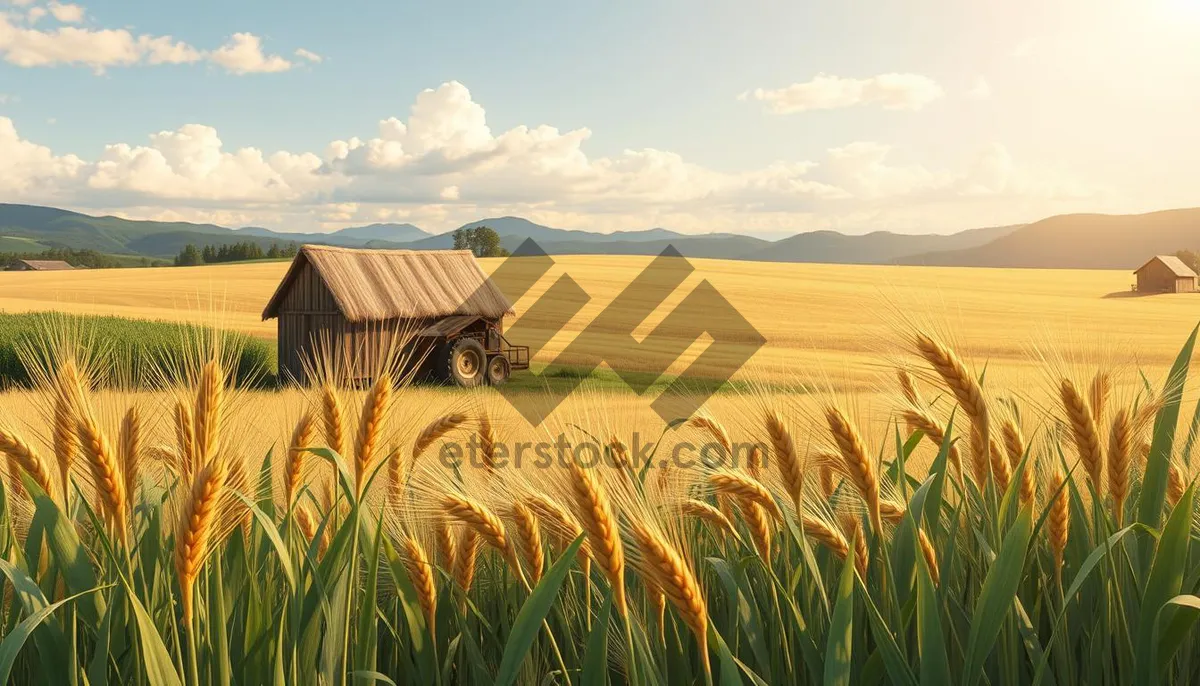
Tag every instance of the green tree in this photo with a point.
(482, 241)
(189, 256)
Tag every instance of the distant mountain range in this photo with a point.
(1088, 241)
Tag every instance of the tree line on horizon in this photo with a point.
(89, 259)
(192, 255)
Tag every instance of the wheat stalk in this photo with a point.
(854, 531)
(1001, 470)
(464, 559)
(760, 529)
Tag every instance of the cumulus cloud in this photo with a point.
(66, 12)
(24, 45)
(825, 92)
(243, 54)
(442, 165)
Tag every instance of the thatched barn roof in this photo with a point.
(372, 285)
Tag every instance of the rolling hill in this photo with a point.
(1078, 241)
(1086, 241)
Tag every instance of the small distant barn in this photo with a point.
(1165, 274)
(353, 303)
(38, 266)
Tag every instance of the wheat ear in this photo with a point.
(484, 523)
(744, 488)
(662, 563)
(303, 437)
(930, 556)
(529, 534)
(1120, 458)
(857, 465)
(854, 531)
(185, 437)
(66, 442)
(447, 544)
(1058, 522)
(596, 516)
(1098, 394)
(1001, 471)
(786, 457)
(487, 442)
(968, 393)
(826, 535)
(370, 425)
(420, 572)
(760, 529)
(465, 554)
(105, 472)
(197, 526)
(1175, 486)
(1083, 433)
(130, 451)
(209, 394)
(434, 431)
(922, 421)
(26, 458)
(701, 510)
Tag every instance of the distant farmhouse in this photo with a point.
(1165, 274)
(38, 266)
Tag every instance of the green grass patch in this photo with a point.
(143, 350)
(542, 377)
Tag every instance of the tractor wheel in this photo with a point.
(464, 363)
(498, 370)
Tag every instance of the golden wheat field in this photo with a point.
(835, 317)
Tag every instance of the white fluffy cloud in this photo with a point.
(66, 12)
(443, 165)
(25, 45)
(308, 55)
(825, 92)
(243, 54)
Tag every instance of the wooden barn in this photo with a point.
(358, 304)
(39, 266)
(1165, 274)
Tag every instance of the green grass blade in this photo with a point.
(595, 656)
(840, 644)
(996, 596)
(1154, 480)
(533, 612)
(12, 644)
(1164, 583)
(931, 641)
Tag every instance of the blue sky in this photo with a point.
(918, 116)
